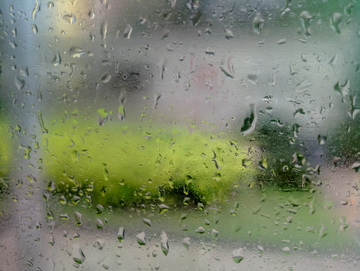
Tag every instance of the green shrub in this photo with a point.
(126, 165)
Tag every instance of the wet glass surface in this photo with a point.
(179, 135)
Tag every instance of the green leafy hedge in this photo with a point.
(124, 165)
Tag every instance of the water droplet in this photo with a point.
(342, 89)
(56, 60)
(348, 9)
(24, 71)
(321, 139)
(285, 249)
(286, 9)
(78, 218)
(64, 216)
(69, 18)
(50, 214)
(141, 238)
(78, 254)
(27, 152)
(229, 34)
(103, 30)
(323, 231)
(256, 210)
(209, 51)
(186, 242)
(12, 44)
(73, 69)
(304, 85)
(19, 83)
(227, 67)
(263, 164)
(172, 3)
(128, 30)
(200, 230)
(193, 4)
(99, 224)
(258, 23)
(246, 162)
(36, 10)
(252, 78)
(75, 200)
(41, 122)
(62, 200)
(183, 217)
(249, 122)
(312, 207)
(299, 112)
(99, 243)
(238, 255)
(260, 249)
(121, 234)
(157, 98)
(306, 18)
(163, 208)
(51, 186)
(216, 163)
(164, 243)
(147, 222)
(99, 209)
(356, 166)
(298, 159)
(195, 17)
(354, 109)
(344, 225)
(335, 21)
(76, 52)
(296, 130)
(121, 112)
(34, 28)
(105, 77)
(165, 34)
(105, 172)
(268, 99)
(91, 14)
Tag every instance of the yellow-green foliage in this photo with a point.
(5, 148)
(128, 164)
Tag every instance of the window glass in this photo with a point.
(179, 135)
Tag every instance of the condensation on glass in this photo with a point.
(179, 135)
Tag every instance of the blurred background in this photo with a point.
(182, 134)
